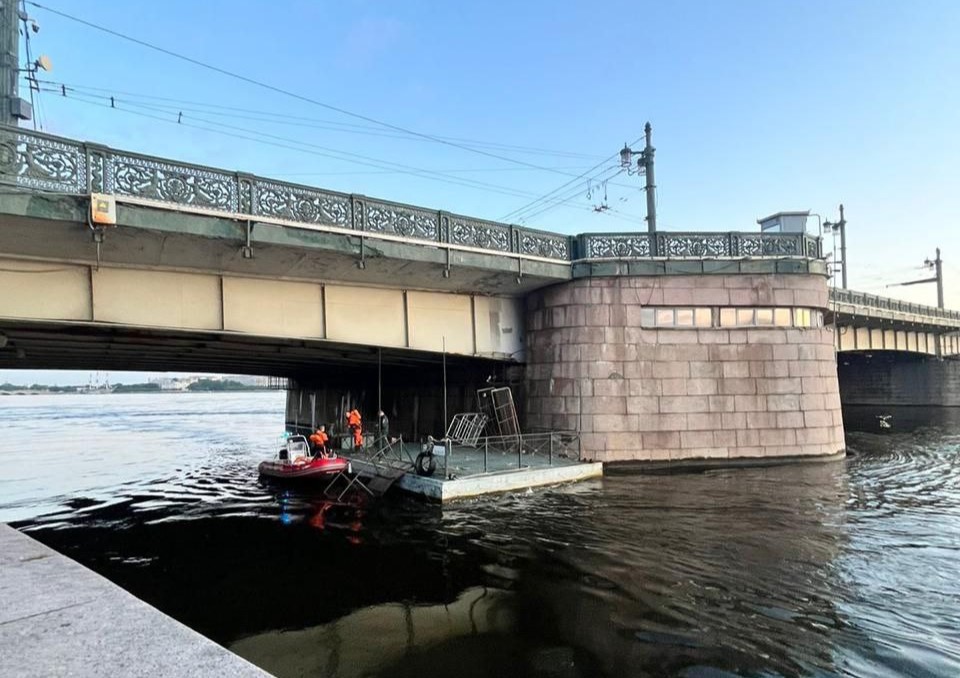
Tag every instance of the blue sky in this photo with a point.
(756, 106)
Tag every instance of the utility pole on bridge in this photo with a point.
(13, 109)
(645, 165)
(937, 266)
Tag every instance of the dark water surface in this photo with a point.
(849, 568)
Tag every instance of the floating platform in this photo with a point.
(57, 618)
(437, 488)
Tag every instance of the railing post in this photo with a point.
(245, 193)
(447, 449)
(550, 453)
(486, 451)
(358, 212)
(443, 227)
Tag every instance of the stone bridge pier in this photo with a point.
(678, 367)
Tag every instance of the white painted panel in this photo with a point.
(277, 308)
(876, 339)
(901, 340)
(863, 338)
(435, 317)
(499, 322)
(889, 340)
(365, 315)
(44, 291)
(157, 298)
(847, 339)
(911, 341)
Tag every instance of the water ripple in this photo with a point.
(844, 568)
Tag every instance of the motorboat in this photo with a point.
(295, 461)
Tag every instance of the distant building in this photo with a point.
(173, 383)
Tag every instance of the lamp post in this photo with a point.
(840, 226)
(645, 166)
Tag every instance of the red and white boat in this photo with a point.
(294, 461)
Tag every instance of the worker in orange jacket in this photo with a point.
(355, 425)
(318, 440)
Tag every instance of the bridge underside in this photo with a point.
(890, 378)
(90, 346)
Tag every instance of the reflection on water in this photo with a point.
(901, 419)
(818, 569)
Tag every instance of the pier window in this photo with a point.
(730, 316)
(782, 317)
(676, 317)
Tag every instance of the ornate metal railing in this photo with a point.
(39, 161)
(48, 163)
(698, 245)
(885, 303)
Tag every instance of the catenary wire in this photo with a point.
(336, 155)
(184, 104)
(280, 90)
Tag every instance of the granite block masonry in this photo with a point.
(600, 361)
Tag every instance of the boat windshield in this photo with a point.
(295, 446)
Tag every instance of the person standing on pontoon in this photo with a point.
(383, 426)
(355, 425)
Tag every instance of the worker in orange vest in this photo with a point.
(318, 440)
(356, 426)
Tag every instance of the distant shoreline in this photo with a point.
(32, 392)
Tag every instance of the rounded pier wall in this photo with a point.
(662, 368)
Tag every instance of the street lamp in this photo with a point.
(644, 166)
(841, 227)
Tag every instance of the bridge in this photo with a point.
(662, 346)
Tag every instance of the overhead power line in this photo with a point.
(257, 136)
(286, 118)
(563, 186)
(543, 205)
(285, 92)
(290, 144)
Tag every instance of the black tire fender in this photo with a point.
(425, 465)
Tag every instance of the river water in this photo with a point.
(849, 568)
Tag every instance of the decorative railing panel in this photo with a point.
(298, 203)
(43, 163)
(615, 246)
(699, 245)
(541, 244)
(402, 220)
(166, 182)
(487, 235)
(40, 161)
